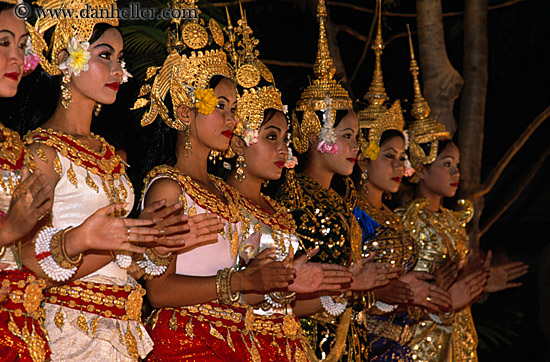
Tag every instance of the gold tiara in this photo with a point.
(424, 129)
(248, 70)
(324, 87)
(66, 27)
(189, 67)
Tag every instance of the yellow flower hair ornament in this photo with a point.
(78, 58)
(371, 152)
(205, 100)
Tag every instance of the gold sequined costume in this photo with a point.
(439, 236)
(22, 333)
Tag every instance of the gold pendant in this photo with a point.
(230, 341)
(189, 329)
(215, 333)
(131, 344)
(82, 323)
(94, 326)
(59, 318)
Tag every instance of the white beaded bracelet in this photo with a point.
(42, 249)
(331, 307)
(384, 307)
(271, 302)
(123, 260)
(151, 268)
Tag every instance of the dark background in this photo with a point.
(510, 323)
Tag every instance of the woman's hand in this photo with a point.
(427, 294)
(101, 231)
(368, 274)
(396, 292)
(446, 275)
(501, 276)
(29, 203)
(179, 232)
(467, 289)
(264, 274)
(314, 277)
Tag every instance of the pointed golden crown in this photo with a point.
(188, 67)
(376, 95)
(424, 129)
(67, 25)
(324, 86)
(249, 70)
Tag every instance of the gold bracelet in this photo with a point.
(78, 258)
(220, 276)
(59, 254)
(158, 260)
(223, 286)
(166, 256)
(283, 298)
(232, 297)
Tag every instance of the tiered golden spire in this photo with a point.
(324, 85)
(378, 117)
(248, 69)
(424, 129)
(323, 93)
(376, 95)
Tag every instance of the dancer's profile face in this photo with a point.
(101, 81)
(215, 129)
(442, 176)
(346, 133)
(386, 172)
(13, 39)
(265, 159)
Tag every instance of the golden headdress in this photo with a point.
(187, 70)
(249, 70)
(378, 117)
(323, 94)
(12, 2)
(67, 27)
(424, 129)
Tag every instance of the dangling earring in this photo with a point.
(66, 96)
(364, 178)
(97, 109)
(265, 183)
(240, 166)
(186, 141)
(215, 156)
(387, 195)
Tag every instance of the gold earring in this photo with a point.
(66, 96)
(97, 109)
(187, 141)
(364, 178)
(240, 166)
(215, 156)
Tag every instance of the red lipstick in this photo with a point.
(228, 133)
(454, 184)
(12, 75)
(396, 179)
(280, 164)
(352, 160)
(114, 86)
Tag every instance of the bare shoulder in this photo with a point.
(163, 188)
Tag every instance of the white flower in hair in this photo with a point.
(125, 73)
(250, 136)
(78, 58)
